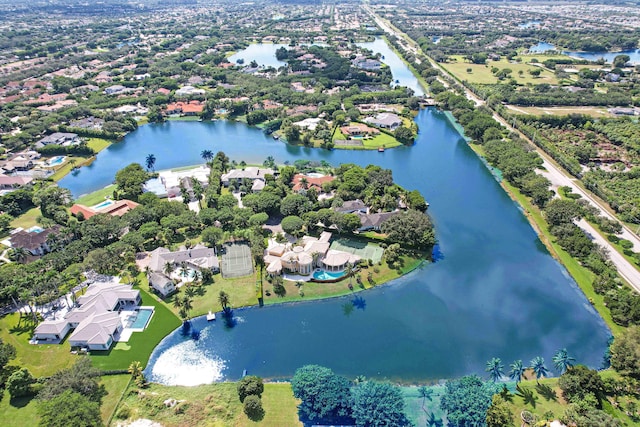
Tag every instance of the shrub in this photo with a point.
(253, 408)
(250, 385)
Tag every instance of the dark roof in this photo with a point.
(374, 221)
(33, 240)
(351, 206)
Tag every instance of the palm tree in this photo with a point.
(150, 162)
(135, 369)
(206, 155)
(185, 306)
(495, 369)
(223, 298)
(198, 190)
(537, 365)
(424, 392)
(168, 268)
(348, 271)
(304, 183)
(563, 361)
(517, 371)
(243, 164)
(18, 254)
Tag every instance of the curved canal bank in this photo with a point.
(496, 291)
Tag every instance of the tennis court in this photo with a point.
(236, 260)
(365, 250)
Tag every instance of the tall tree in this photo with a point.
(495, 369)
(516, 371)
(69, 409)
(150, 161)
(325, 396)
(562, 361)
(378, 404)
(467, 400)
(499, 414)
(206, 155)
(223, 299)
(538, 367)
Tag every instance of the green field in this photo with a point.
(27, 219)
(98, 144)
(96, 197)
(212, 405)
(560, 111)
(363, 249)
(481, 73)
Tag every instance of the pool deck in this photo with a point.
(126, 332)
(297, 277)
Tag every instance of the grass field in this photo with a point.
(98, 144)
(211, 405)
(560, 111)
(41, 360)
(96, 197)
(69, 164)
(481, 73)
(27, 219)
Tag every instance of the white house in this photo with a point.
(197, 258)
(95, 320)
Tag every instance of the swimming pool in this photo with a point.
(140, 319)
(56, 161)
(327, 275)
(35, 229)
(104, 204)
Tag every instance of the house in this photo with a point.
(311, 182)
(12, 182)
(115, 208)
(366, 64)
(308, 123)
(191, 108)
(197, 258)
(115, 90)
(236, 176)
(59, 138)
(358, 129)
(352, 206)
(385, 120)
(309, 253)
(189, 90)
(374, 221)
(95, 319)
(87, 123)
(35, 241)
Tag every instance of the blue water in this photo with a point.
(399, 70)
(327, 275)
(541, 47)
(494, 292)
(142, 318)
(103, 204)
(56, 161)
(262, 53)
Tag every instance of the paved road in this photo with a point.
(557, 176)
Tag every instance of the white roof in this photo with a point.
(250, 172)
(96, 329)
(338, 258)
(51, 327)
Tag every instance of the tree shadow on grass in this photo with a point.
(547, 392)
(527, 395)
(434, 422)
(21, 402)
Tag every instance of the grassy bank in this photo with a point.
(211, 404)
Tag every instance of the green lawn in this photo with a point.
(141, 344)
(481, 73)
(212, 404)
(96, 197)
(69, 164)
(115, 386)
(98, 144)
(41, 360)
(381, 140)
(18, 412)
(27, 219)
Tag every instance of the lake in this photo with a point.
(634, 55)
(262, 53)
(494, 292)
(399, 70)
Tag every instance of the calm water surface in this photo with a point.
(495, 292)
(399, 69)
(262, 53)
(634, 55)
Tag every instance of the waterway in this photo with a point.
(494, 290)
(543, 47)
(402, 75)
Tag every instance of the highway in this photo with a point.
(553, 173)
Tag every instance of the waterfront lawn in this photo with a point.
(41, 360)
(96, 197)
(381, 140)
(67, 166)
(212, 404)
(423, 412)
(27, 219)
(141, 344)
(98, 144)
(313, 290)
